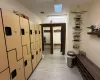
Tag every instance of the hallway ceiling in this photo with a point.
(47, 6)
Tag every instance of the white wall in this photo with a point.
(15, 5)
(56, 35)
(54, 19)
(90, 44)
(47, 34)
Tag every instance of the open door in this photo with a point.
(63, 35)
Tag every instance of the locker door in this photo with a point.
(36, 43)
(27, 62)
(39, 56)
(37, 52)
(5, 75)
(32, 32)
(33, 56)
(25, 32)
(16, 67)
(40, 42)
(3, 54)
(12, 32)
(40, 33)
(36, 32)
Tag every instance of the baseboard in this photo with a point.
(34, 69)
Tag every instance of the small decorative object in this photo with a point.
(90, 30)
(93, 27)
(76, 46)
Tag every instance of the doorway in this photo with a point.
(57, 39)
(62, 30)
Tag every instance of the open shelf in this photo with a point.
(89, 27)
(76, 40)
(94, 33)
(77, 28)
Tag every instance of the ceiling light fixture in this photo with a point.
(58, 8)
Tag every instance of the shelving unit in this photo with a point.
(77, 29)
(94, 31)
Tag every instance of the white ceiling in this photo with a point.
(47, 6)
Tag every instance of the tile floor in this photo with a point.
(54, 67)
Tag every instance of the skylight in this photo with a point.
(58, 8)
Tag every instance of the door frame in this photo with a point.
(63, 38)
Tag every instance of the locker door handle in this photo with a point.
(35, 32)
(36, 52)
(39, 32)
(22, 31)
(25, 63)
(31, 32)
(14, 74)
(32, 57)
(8, 31)
(40, 49)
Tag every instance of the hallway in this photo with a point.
(54, 67)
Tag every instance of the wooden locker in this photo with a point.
(25, 32)
(12, 32)
(36, 43)
(3, 53)
(5, 75)
(16, 67)
(27, 62)
(32, 32)
(33, 56)
(32, 28)
(37, 51)
(36, 32)
(40, 42)
(40, 33)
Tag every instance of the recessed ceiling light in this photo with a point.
(58, 8)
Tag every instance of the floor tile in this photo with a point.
(54, 67)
